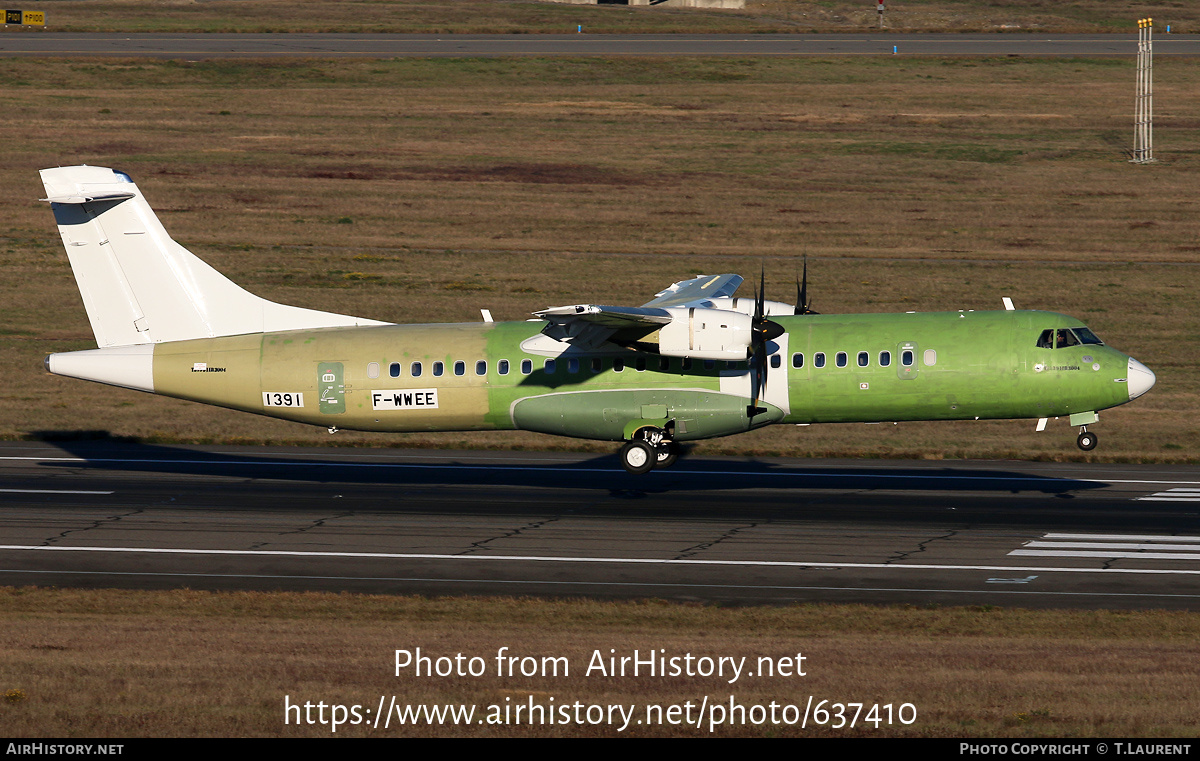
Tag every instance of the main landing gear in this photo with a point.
(651, 449)
(1087, 440)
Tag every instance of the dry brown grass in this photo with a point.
(186, 663)
(422, 190)
(529, 16)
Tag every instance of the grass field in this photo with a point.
(530, 17)
(195, 664)
(422, 190)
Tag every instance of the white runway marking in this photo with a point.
(1173, 495)
(633, 561)
(1125, 537)
(1113, 546)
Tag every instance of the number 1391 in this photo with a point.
(283, 399)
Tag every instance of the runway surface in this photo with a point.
(523, 523)
(203, 46)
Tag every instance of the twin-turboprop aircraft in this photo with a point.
(692, 363)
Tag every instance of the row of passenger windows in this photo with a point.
(665, 364)
(863, 359)
(549, 366)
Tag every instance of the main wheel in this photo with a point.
(667, 455)
(637, 457)
(1087, 441)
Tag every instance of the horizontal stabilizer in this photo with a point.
(89, 197)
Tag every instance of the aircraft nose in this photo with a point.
(1141, 378)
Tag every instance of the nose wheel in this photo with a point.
(1087, 440)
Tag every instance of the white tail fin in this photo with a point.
(141, 287)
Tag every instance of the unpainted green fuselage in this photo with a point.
(964, 365)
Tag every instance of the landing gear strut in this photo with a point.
(1086, 441)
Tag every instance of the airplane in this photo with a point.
(693, 363)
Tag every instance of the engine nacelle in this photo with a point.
(706, 334)
(746, 306)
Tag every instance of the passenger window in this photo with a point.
(776, 361)
(502, 367)
(460, 368)
(394, 369)
(863, 359)
(686, 364)
(597, 364)
(885, 358)
(930, 357)
(841, 359)
(372, 369)
(438, 369)
(415, 370)
(550, 366)
(819, 359)
(906, 358)
(797, 360)
(664, 364)
(618, 365)
(526, 366)
(639, 364)
(710, 364)
(481, 367)
(572, 365)
(1046, 340)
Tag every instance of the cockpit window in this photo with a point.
(1061, 338)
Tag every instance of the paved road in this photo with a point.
(198, 46)
(723, 529)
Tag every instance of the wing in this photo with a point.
(692, 292)
(590, 325)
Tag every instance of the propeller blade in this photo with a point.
(760, 298)
(802, 305)
(762, 331)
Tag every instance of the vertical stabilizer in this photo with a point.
(141, 287)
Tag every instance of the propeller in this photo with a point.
(762, 330)
(802, 305)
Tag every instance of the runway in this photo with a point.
(27, 43)
(729, 530)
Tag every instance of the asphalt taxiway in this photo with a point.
(31, 42)
(102, 514)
